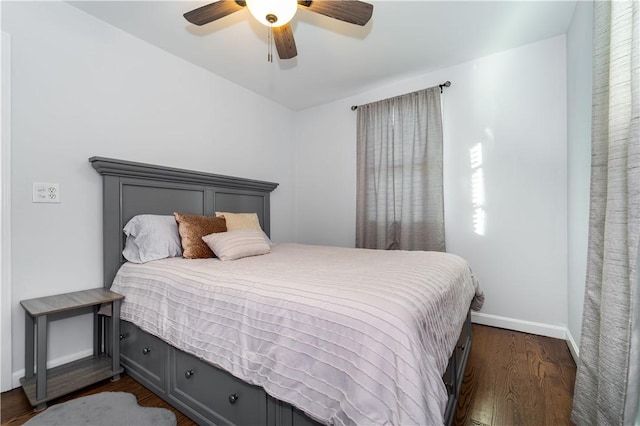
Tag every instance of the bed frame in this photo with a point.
(203, 392)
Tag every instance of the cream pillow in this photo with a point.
(232, 245)
(236, 221)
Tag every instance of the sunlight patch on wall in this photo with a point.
(477, 189)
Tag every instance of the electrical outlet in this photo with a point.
(46, 192)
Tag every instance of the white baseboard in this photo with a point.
(573, 347)
(17, 375)
(520, 325)
(529, 327)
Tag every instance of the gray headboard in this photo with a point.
(131, 188)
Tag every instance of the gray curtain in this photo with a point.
(607, 381)
(399, 202)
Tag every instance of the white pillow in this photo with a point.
(236, 221)
(151, 237)
(232, 245)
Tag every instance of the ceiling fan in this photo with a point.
(276, 14)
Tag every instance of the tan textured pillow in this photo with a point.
(234, 245)
(192, 228)
(236, 221)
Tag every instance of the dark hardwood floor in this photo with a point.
(511, 379)
(515, 378)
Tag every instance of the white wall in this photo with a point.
(82, 88)
(5, 216)
(579, 77)
(514, 104)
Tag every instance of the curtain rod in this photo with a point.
(443, 85)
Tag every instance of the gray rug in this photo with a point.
(104, 409)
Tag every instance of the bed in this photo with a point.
(261, 340)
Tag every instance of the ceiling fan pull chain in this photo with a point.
(270, 44)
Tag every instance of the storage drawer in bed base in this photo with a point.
(221, 397)
(164, 370)
(207, 395)
(145, 354)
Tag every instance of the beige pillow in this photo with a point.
(232, 245)
(192, 228)
(236, 221)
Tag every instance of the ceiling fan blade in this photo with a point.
(211, 12)
(352, 11)
(286, 45)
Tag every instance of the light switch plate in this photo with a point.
(46, 192)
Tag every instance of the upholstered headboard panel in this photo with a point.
(132, 188)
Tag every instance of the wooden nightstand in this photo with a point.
(45, 384)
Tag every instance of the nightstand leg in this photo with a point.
(28, 346)
(115, 337)
(97, 331)
(41, 358)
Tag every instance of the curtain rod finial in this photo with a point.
(354, 107)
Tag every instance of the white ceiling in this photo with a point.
(336, 59)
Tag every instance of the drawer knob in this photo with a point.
(124, 336)
(189, 373)
(146, 351)
(233, 398)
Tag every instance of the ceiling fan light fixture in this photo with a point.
(265, 11)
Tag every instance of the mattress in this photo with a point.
(349, 336)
